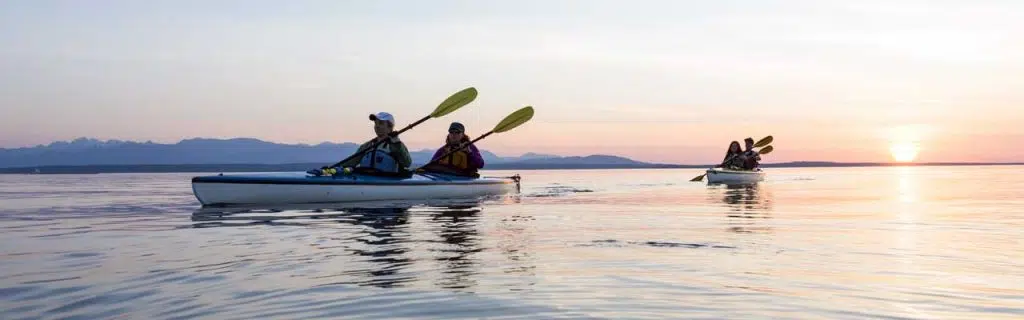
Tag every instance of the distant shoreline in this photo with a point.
(184, 168)
(91, 156)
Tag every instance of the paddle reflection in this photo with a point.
(384, 246)
(515, 239)
(459, 242)
(746, 202)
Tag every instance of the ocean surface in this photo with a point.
(821, 243)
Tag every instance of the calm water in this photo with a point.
(915, 243)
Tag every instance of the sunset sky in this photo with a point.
(666, 81)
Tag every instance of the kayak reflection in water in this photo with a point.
(747, 204)
(389, 158)
(452, 158)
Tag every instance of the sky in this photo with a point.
(666, 81)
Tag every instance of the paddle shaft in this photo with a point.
(377, 142)
(450, 152)
(734, 157)
(517, 118)
(758, 152)
(760, 143)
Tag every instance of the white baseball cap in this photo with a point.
(383, 116)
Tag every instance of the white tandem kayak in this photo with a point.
(719, 175)
(301, 187)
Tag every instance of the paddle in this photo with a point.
(760, 143)
(511, 121)
(454, 102)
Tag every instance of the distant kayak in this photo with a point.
(300, 187)
(719, 175)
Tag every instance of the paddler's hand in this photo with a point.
(457, 146)
(318, 172)
(391, 137)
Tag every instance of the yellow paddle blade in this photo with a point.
(454, 102)
(764, 142)
(766, 150)
(515, 119)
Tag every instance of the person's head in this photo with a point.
(383, 123)
(750, 143)
(734, 147)
(456, 133)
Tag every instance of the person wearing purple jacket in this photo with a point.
(464, 162)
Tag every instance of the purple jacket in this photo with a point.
(475, 159)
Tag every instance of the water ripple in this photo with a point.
(838, 244)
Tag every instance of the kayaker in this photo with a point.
(732, 160)
(750, 157)
(389, 158)
(465, 161)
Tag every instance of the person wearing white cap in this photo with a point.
(389, 157)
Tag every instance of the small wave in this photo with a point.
(658, 244)
(684, 245)
(646, 185)
(558, 191)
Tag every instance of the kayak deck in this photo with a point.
(302, 178)
(718, 175)
(300, 187)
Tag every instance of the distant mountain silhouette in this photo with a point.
(204, 151)
(84, 151)
(587, 162)
(85, 155)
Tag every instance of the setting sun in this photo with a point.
(904, 151)
(905, 140)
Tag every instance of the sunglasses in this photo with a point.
(454, 131)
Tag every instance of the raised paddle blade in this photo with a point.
(764, 142)
(699, 178)
(766, 150)
(515, 119)
(454, 102)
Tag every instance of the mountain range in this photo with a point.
(87, 155)
(204, 151)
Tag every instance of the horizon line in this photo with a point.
(818, 162)
(639, 165)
